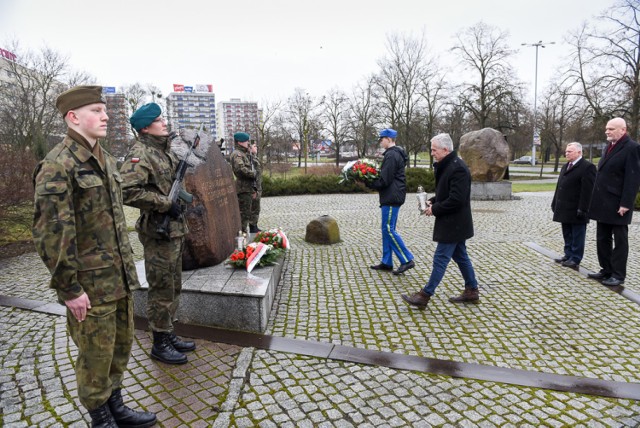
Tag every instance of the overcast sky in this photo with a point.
(264, 49)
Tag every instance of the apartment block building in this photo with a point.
(119, 135)
(234, 116)
(188, 108)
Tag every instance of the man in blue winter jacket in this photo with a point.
(392, 187)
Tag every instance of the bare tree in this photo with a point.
(433, 91)
(28, 116)
(399, 83)
(484, 51)
(334, 116)
(300, 114)
(587, 80)
(266, 127)
(364, 116)
(606, 65)
(558, 110)
(456, 120)
(135, 95)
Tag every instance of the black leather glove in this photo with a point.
(175, 210)
(581, 214)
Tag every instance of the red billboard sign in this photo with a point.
(8, 55)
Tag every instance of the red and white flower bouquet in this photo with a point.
(264, 251)
(362, 170)
(274, 237)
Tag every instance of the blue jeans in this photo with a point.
(574, 236)
(443, 255)
(391, 241)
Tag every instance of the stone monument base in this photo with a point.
(221, 296)
(491, 191)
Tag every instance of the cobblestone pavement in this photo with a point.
(534, 315)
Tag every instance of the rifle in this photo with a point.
(176, 188)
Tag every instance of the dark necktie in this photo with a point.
(570, 166)
(611, 146)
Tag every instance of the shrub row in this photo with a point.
(323, 184)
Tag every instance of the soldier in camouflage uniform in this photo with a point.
(80, 233)
(255, 202)
(244, 170)
(148, 173)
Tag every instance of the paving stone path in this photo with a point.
(534, 315)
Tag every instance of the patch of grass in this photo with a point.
(15, 224)
(532, 187)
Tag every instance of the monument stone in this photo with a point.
(213, 217)
(486, 153)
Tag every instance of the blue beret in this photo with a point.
(241, 137)
(388, 132)
(145, 115)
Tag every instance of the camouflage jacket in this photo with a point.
(148, 173)
(243, 170)
(79, 227)
(257, 166)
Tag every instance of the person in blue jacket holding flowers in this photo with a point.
(392, 188)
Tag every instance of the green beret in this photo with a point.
(145, 116)
(241, 137)
(77, 97)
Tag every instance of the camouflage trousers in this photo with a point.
(255, 209)
(245, 200)
(163, 266)
(104, 341)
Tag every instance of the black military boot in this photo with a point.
(181, 345)
(102, 417)
(164, 351)
(125, 417)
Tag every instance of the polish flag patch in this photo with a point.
(135, 160)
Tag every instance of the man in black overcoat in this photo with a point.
(614, 195)
(570, 204)
(451, 206)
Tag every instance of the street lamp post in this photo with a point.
(536, 136)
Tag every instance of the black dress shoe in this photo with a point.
(598, 275)
(404, 267)
(611, 282)
(571, 264)
(381, 266)
(560, 260)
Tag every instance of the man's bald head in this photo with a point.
(616, 128)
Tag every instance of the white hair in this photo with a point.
(443, 141)
(577, 146)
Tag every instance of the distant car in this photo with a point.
(523, 160)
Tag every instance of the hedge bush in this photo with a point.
(323, 184)
(420, 177)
